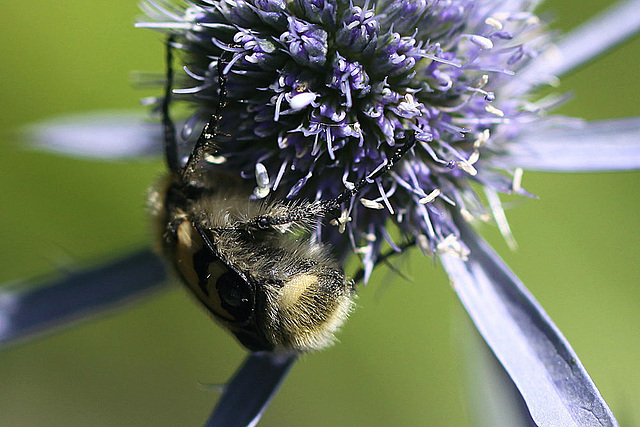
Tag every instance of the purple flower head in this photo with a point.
(319, 93)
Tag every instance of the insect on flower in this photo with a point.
(317, 96)
(252, 263)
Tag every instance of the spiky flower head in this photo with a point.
(320, 91)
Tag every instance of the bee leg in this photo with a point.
(346, 195)
(205, 144)
(306, 213)
(169, 130)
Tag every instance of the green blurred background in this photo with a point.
(400, 361)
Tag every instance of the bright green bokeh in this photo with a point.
(399, 362)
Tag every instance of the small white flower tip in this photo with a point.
(465, 166)
(493, 110)
(371, 204)
(430, 197)
(452, 246)
(516, 184)
(262, 176)
(302, 100)
(341, 222)
(495, 23)
(480, 41)
(215, 160)
(261, 192)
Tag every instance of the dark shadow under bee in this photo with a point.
(251, 263)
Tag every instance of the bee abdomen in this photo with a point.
(311, 306)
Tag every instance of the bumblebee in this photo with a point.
(251, 263)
